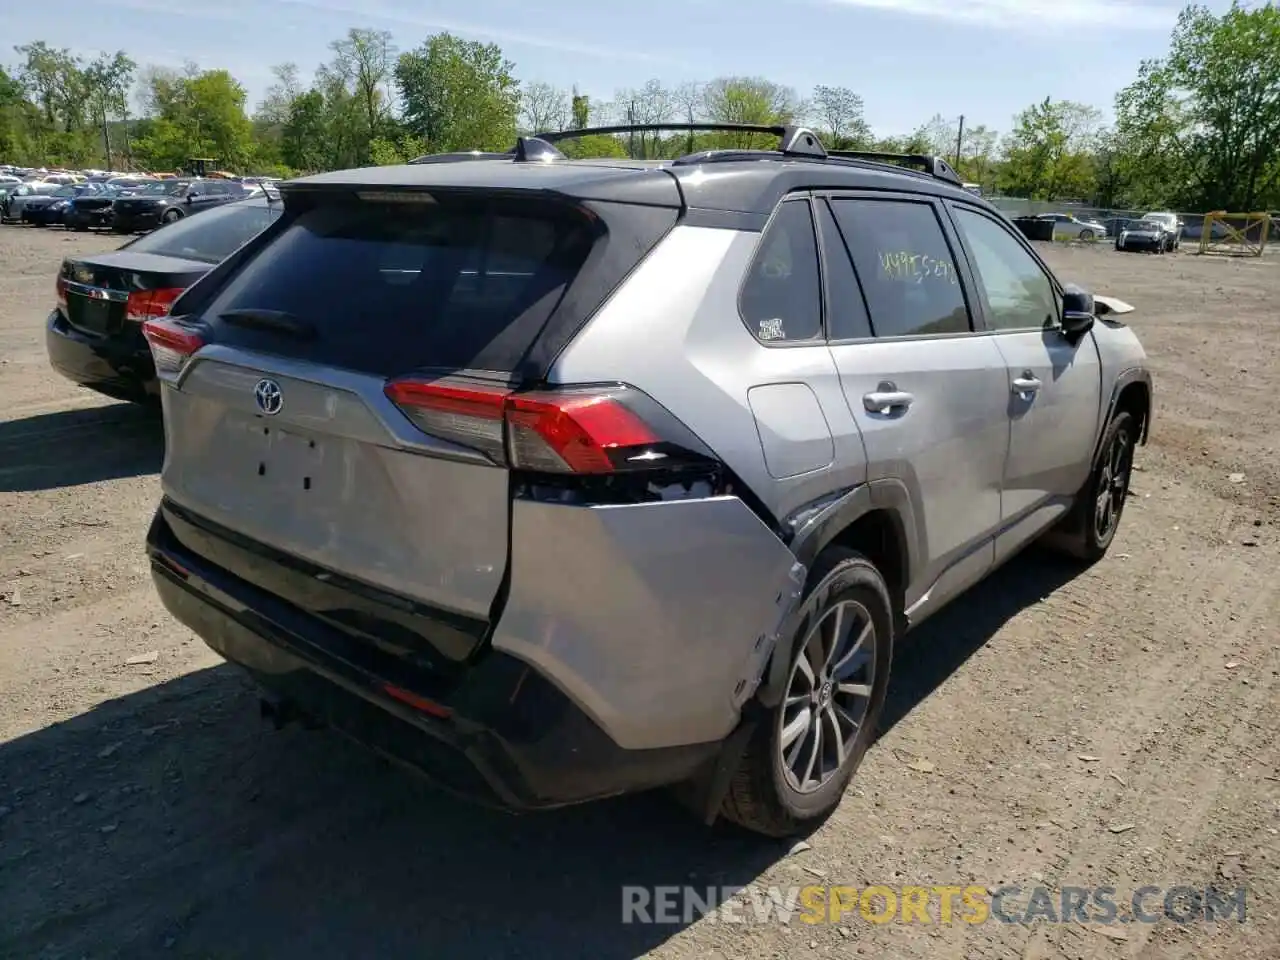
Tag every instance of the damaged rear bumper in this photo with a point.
(628, 643)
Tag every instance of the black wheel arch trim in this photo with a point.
(823, 523)
(1127, 378)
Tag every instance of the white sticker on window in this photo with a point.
(771, 329)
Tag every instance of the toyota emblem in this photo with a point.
(269, 396)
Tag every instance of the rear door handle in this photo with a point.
(1026, 384)
(887, 401)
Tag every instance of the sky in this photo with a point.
(908, 59)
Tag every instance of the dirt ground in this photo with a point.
(1116, 727)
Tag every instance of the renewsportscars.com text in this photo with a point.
(936, 904)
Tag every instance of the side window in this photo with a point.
(905, 265)
(781, 299)
(846, 310)
(1019, 294)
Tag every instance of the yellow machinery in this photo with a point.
(1235, 234)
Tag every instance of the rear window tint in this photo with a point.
(211, 236)
(392, 287)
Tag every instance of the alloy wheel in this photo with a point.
(1113, 486)
(828, 696)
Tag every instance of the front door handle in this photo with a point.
(1025, 384)
(887, 401)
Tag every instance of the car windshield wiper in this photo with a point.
(264, 319)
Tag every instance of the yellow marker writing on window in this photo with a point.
(907, 267)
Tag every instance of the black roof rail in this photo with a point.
(933, 166)
(795, 141)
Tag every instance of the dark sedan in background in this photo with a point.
(51, 208)
(91, 211)
(167, 201)
(94, 335)
(1149, 235)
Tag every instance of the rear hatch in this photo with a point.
(110, 294)
(293, 411)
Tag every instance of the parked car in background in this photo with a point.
(1146, 234)
(1067, 226)
(92, 211)
(1172, 225)
(94, 335)
(18, 198)
(50, 209)
(169, 200)
(734, 402)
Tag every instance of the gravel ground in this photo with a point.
(1111, 728)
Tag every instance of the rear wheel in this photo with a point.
(171, 216)
(799, 762)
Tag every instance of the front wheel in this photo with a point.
(800, 760)
(171, 216)
(1094, 519)
(1086, 234)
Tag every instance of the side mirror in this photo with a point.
(1078, 312)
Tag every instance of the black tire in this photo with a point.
(1086, 235)
(760, 798)
(1082, 535)
(171, 216)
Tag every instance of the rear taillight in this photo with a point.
(145, 305)
(601, 430)
(171, 345)
(61, 287)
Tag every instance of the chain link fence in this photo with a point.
(1115, 219)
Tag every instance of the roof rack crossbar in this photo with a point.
(934, 166)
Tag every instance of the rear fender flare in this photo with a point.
(816, 533)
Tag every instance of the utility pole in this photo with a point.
(959, 141)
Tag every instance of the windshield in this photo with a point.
(65, 192)
(210, 237)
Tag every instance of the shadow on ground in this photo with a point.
(73, 447)
(172, 822)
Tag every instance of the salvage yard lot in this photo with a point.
(1116, 727)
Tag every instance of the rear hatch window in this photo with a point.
(388, 287)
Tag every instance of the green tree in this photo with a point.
(200, 114)
(302, 141)
(1201, 127)
(837, 112)
(108, 79)
(748, 100)
(362, 64)
(580, 109)
(1048, 155)
(458, 94)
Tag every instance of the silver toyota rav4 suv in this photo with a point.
(560, 479)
